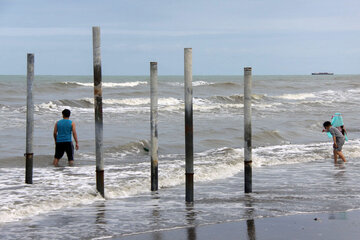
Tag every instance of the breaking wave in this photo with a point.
(105, 84)
(236, 98)
(69, 187)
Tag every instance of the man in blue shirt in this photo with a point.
(62, 136)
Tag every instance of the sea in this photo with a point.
(293, 167)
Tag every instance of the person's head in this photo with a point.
(327, 125)
(66, 113)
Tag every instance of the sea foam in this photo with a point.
(108, 84)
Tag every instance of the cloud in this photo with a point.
(240, 26)
(56, 31)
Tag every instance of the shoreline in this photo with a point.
(331, 225)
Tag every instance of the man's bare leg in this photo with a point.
(335, 156)
(341, 155)
(56, 162)
(71, 163)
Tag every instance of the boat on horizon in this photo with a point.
(322, 73)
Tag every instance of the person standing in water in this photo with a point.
(62, 136)
(339, 140)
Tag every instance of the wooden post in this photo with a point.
(189, 148)
(153, 125)
(98, 112)
(247, 130)
(29, 120)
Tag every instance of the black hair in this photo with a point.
(343, 130)
(327, 124)
(66, 113)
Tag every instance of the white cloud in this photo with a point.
(56, 31)
(240, 26)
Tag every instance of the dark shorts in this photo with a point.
(340, 144)
(62, 147)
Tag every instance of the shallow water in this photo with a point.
(293, 170)
(317, 186)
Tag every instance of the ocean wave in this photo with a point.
(81, 103)
(69, 187)
(132, 148)
(194, 83)
(89, 103)
(49, 106)
(106, 84)
(323, 98)
(327, 95)
(204, 83)
(200, 83)
(270, 137)
(297, 96)
(261, 102)
(217, 103)
(142, 101)
(61, 192)
(225, 84)
(236, 98)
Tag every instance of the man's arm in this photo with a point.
(75, 136)
(55, 132)
(334, 138)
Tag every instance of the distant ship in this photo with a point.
(322, 73)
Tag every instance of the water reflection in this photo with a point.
(100, 220)
(338, 216)
(191, 220)
(156, 214)
(100, 214)
(250, 223)
(192, 233)
(157, 236)
(251, 229)
(339, 176)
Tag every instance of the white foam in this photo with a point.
(354, 91)
(323, 96)
(58, 188)
(169, 104)
(299, 96)
(194, 84)
(137, 101)
(50, 106)
(200, 83)
(110, 84)
(50, 191)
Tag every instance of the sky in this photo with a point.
(274, 37)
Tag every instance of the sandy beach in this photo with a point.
(337, 225)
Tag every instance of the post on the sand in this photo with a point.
(153, 125)
(189, 148)
(98, 111)
(29, 120)
(247, 130)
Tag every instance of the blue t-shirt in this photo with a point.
(64, 130)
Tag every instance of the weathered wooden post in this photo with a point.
(189, 148)
(29, 120)
(153, 125)
(98, 112)
(247, 130)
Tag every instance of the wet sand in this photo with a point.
(339, 225)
